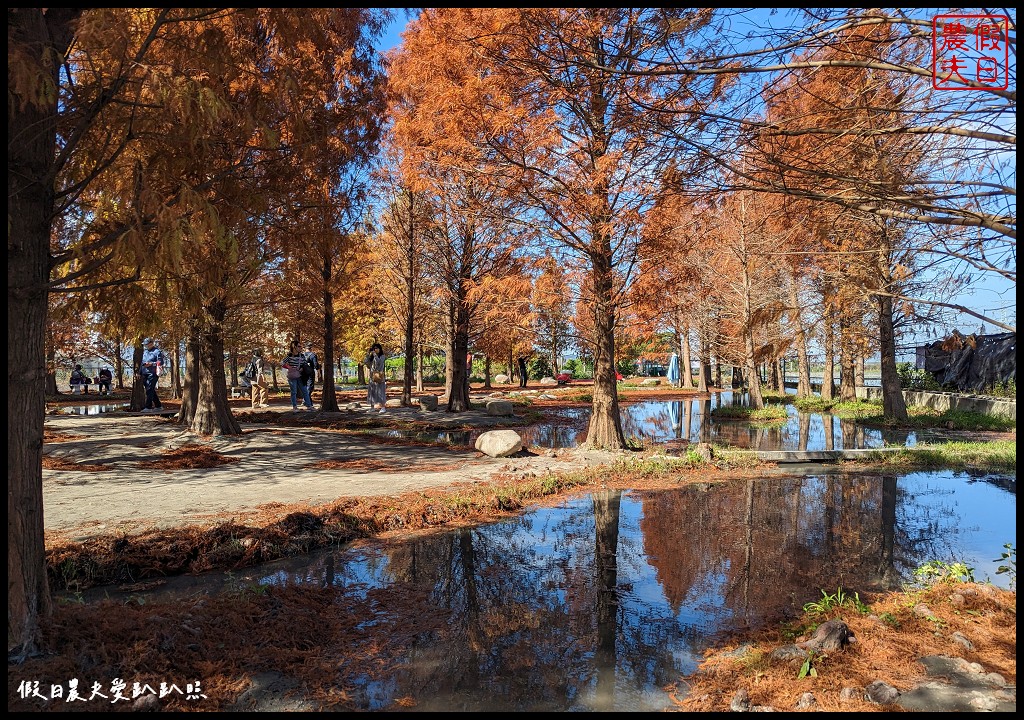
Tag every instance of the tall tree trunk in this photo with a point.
(119, 361)
(31, 147)
(51, 371)
(176, 371)
(847, 387)
(778, 379)
(754, 380)
(892, 394)
(605, 429)
(328, 397)
(419, 367)
(487, 372)
(410, 303)
(213, 414)
(718, 371)
(704, 364)
(458, 393)
(233, 365)
(803, 383)
(828, 388)
(686, 376)
(408, 370)
(448, 359)
(190, 392)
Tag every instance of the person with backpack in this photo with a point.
(292, 365)
(253, 372)
(310, 368)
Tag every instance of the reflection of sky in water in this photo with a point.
(96, 409)
(664, 420)
(536, 617)
(692, 420)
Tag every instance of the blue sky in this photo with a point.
(390, 38)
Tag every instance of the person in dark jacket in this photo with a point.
(79, 381)
(105, 378)
(153, 362)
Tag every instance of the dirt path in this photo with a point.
(268, 463)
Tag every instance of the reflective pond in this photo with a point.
(97, 409)
(659, 421)
(600, 602)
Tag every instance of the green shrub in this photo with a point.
(935, 571)
(538, 368)
(830, 603)
(1006, 389)
(577, 368)
(1008, 564)
(912, 378)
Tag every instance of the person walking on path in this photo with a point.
(376, 391)
(292, 365)
(310, 369)
(258, 382)
(105, 379)
(152, 364)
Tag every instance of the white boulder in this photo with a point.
(499, 443)
(500, 407)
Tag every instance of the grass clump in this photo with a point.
(813, 404)
(998, 455)
(857, 409)
(770, 413)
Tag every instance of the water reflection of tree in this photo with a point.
(508, 644)
(606, 545)
(537, 615)
(691, 419)
(767, 546)
(534, 617)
